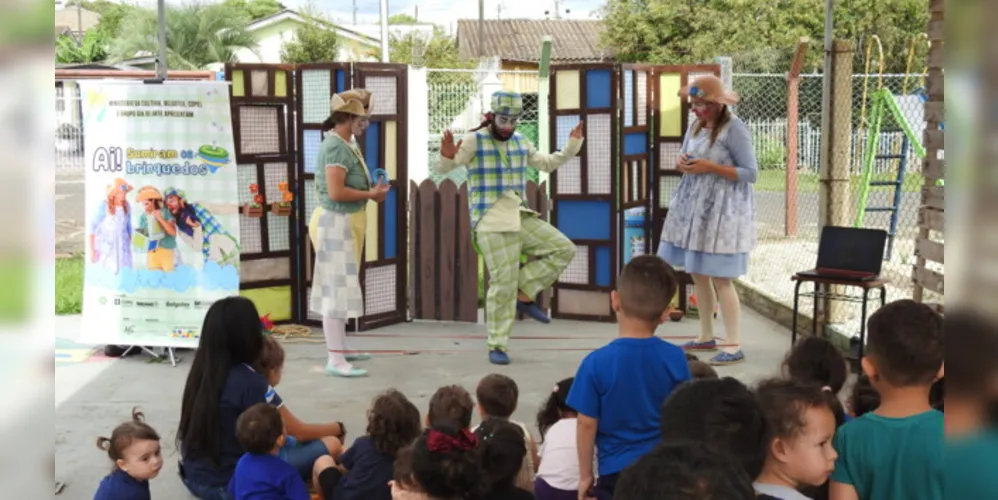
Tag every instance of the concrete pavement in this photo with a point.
(95, 395)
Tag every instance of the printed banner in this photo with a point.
(162, 220)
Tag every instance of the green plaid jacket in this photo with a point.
(489, 178)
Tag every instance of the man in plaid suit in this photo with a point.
(200, 228)
(497, 158)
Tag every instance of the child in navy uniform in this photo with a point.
(134, 449)
(896, 451)
(260, 473)
(367, 467)
(619, 388)
(688, 470)
(502, 450)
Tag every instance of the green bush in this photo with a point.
(771, 154)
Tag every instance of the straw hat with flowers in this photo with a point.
(119, 184)
(709, 88)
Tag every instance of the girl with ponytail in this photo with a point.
(558, 474)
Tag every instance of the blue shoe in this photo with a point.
(358, 356)
(533, 310)
(693, 345)
(497, 357)
(727, 358)
(350, 373)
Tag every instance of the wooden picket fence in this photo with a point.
(445, 270)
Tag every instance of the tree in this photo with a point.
(402, 18)
(314, 42)
(759, 34)
(93, 48)
(438, 51)
(196, 35)
(111, 14)
(256, 9)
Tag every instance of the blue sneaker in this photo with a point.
(348, 373)
(533, 310)
(498, 357)
(693, 345)
(727, 358)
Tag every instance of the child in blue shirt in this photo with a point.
(619, 389)
(896, 451)
(134, 448)
(260, 474)
(972, 379)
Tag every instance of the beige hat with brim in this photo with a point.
(149, 193)
(354, 101)
(119, 184)
(709, 88)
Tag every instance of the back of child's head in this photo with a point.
(451, 404)
(258, 428)
(905, 343)
(815, 360)
(700, 370)
(392, 422)
(684, 470)
(271, 360)
(125, 435)
(971, 344)
(645, 288)
(864, 398)
(556, 407)
(443, 463)
(724, 414)
(502, 449)
(497, 395)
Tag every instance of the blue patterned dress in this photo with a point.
(710, 228)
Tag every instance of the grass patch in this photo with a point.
(69, 285)
(15, 296)
(807, 182)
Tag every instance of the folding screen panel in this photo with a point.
(584, 190)
(636, 162)
(383, 273)
(315, 85)
(262, 104)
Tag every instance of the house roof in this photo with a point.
(573, 40)
(84, 19)
(292, 15)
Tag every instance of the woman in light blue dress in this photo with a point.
(710, 228)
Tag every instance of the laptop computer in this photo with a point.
(849, 253)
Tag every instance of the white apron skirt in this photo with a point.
(335, 284)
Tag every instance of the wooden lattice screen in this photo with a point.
(928, 271)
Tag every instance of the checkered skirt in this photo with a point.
(335, 286)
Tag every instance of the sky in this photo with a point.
(447, 12)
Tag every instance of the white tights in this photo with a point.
(730, 309)
(335, 331)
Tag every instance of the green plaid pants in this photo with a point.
(501, 253)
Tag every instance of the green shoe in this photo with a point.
(358, 356)
(349, 373)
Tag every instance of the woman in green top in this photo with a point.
(344, 188)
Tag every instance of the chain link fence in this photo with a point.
(69, 168)
(890, 178)
(458, 99)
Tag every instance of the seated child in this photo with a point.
(367, 466)
(441, 465)
(815, 360)
(498, 396)
(304, 443)
(802, 425)
(722, 413)
(684, 471)
(501, 450)
(134, 449)
(619, 388)
(259, 472)
(971, 439)
(558, 472)
(864, 397)
(896, 451)
(450, 405)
